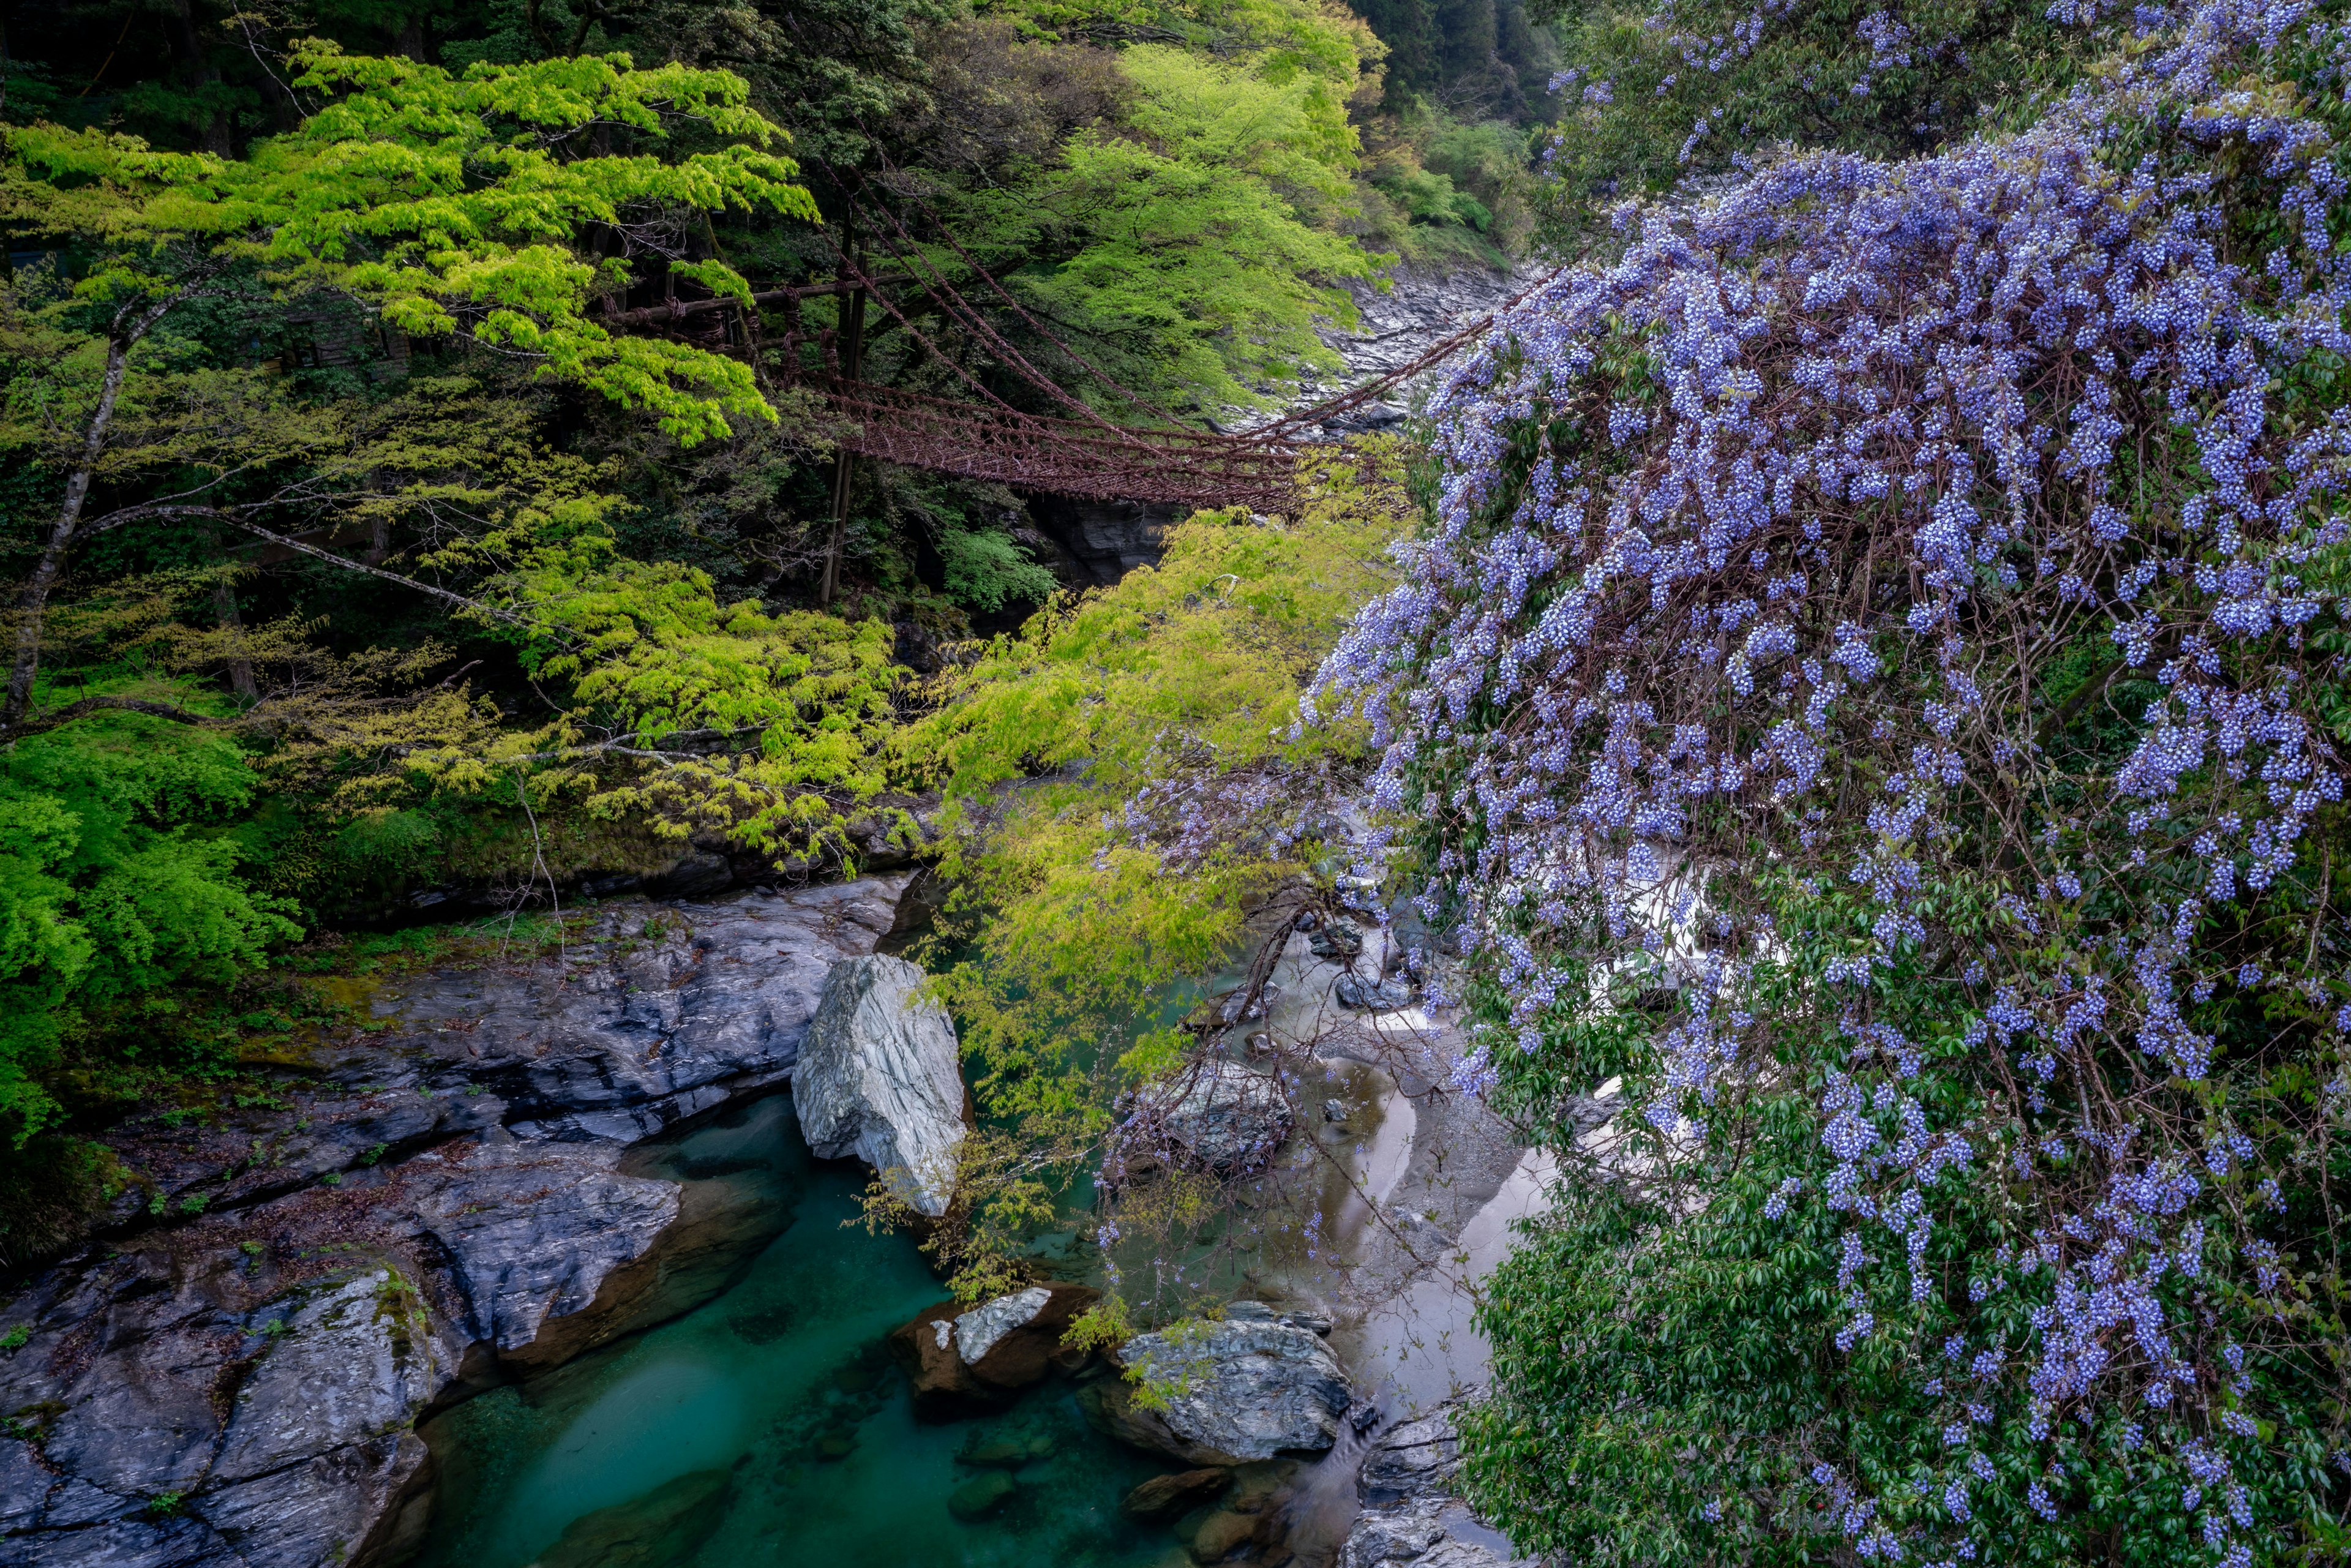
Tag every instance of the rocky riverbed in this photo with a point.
(483, 1190)
(438, 1204)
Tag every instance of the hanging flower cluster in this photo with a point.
(1895, 611)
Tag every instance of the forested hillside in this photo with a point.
(1835, 704)
(361, 551)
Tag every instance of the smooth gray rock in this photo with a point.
(879, 1077)
(1240, 1389)
(322, 1509)
(659, 1012)
(140, 1543)
(1095, 543)
(1259, 1313)
(235, 1387)
(1352, 990)
(25, 1486)
(533, 1230)
(186, 1430)
(355, 1362)
(1409, 1514)
(1212, 1113)
(663, 1013)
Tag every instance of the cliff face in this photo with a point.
(450, 1201)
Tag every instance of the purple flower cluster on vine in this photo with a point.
(1823, 470)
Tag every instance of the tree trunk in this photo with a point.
(240, 668)
(198, 71)
(33, 602)
(844, 464)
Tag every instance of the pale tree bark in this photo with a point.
(33, 600)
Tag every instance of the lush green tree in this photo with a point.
(448, 203)
(1156, 722)
(1188, 245)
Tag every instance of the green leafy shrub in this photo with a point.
(985, 570)
(115, 886)
(1074, 925)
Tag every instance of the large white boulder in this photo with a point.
(878, 1078)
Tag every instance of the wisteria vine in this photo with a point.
(1896, 610)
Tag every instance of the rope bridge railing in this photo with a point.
(1083, 454)
(1060, 455)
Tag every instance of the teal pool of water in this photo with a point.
(768, 1424)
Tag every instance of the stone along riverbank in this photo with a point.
(541, 1268)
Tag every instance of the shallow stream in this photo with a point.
(770, 1427)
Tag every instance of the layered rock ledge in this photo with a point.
(430, 1206)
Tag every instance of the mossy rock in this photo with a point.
(981, 1496)
(663, 1526)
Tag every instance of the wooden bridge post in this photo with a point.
(844, 462)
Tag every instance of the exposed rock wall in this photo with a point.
(443, 1201)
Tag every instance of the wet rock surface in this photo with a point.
(662, 1013)
(1093, 544)
(1165, 1497)
(161, 1418)
(1215, 1113)
(1410, 1514)
(442, 1201)
(662, 1527)
(955, 1356)
(880, 1078)
(981, 1496)
(1250, 1387)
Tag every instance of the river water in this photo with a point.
(768, 1427)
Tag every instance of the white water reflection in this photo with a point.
(1424, 1347)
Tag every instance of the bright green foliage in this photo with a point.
(1428, 197)
(450, 202)
(984, 569)
(1285, 37)
(108, 892)
(1078, 934)
(684, 710)
(1285, 126)
(1195, 238)
(1664, 1348)
(1444, 192)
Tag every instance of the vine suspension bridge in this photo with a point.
(1080, 453)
